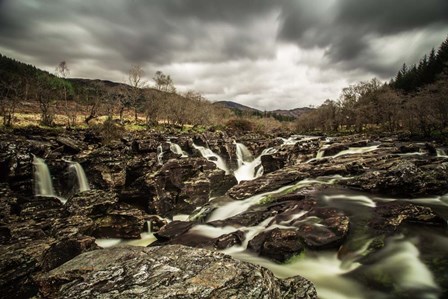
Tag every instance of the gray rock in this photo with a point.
(171, 271)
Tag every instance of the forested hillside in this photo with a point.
(415, 101)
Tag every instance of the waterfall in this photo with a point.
(243, 154)
(249, 170)
(42, 179)
(81, 175)
(212, 157)
(441, 153)
(175, 148)
(160, 155)
(356, 150)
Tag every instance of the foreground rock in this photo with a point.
(388, 216)
(172, 271)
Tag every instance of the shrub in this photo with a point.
(240, 125)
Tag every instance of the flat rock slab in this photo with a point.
(172, 271)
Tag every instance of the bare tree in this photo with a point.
(62, 71)
(137, 82)
(164, 82)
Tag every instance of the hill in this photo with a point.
(235, 106)
(282, 115)
(296, 113)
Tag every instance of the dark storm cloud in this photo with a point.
(291, 47)
(344, 27)
(138, 31)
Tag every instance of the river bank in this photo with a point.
(341, 209)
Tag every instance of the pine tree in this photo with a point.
(442, 56)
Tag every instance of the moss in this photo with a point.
(296, 258)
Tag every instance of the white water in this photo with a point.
(356, 150)
(81, 175)
(249, 169)
(145, 239)
(239, 206)
(43, 185)
(175, 148)
(212, 157)
(441, 153)
(160, 155)
(243, 154)
(355, 199)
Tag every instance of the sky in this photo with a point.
(266, 54)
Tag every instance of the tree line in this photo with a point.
(416, 101)
(56, 94)
(148, 103)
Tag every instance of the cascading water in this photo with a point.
(212, 157)
(441, 153)
(83, 182)
(175, 148)
(342, 274)
(249, 168)
(350, 151)
(160, 155)
(243, 154)
(43, 185)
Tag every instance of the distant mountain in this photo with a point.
(279, 114)
(296, 113)
(235, 106)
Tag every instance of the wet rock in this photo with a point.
(402, 177)
(8, 204)
(328, 229)
(173, 230)
(273, 162)
(166, 272)
(277, 244)
(92, 202)
(71, 146)
(269, 182)
(125, 223)
(334, 149)
(41, 207)
(107, 167)
(182, 185)
(389, 216)
(20, 261)
(229, 240)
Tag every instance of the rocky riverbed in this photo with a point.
(282, 202)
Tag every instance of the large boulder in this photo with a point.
(111, 219)
(171, 271)
(181, 185)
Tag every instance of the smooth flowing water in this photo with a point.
(160, 155)
(81, 176)
(400, 269)
(175, 148)
(399, 262)
(212, 157)
(43, 185)
(248, 167)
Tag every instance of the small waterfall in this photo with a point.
(175, 148)
(249, 170)
(441, 153)
(81, 175)
(212, 157)
(356, 150)
(42, 179)
(160, 155)
(350, 151)
(243, 154)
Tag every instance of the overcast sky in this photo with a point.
(263, 53)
